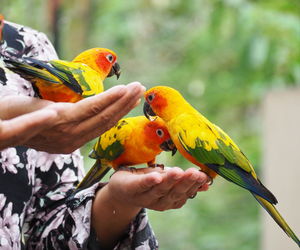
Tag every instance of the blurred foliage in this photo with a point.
(223, 56)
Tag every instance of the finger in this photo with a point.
(135, 183)
(192, 177)
(18, 130)
(98, 124)
(178, 204)
(149, 170)
(204, 187)
(148, 181)
(201, 181)
(170, 178)
(92, 106)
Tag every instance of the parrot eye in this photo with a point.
(150, 98)
(110, 58)
(159, 132)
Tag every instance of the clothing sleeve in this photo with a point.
(62, 220)
(52, 216)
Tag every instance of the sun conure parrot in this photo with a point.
(64, 81)
(1, 26)
(209, 147)
(132, 141)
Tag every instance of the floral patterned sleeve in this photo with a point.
(38, 209)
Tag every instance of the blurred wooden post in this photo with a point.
(281, 136)
(54, 7)
(79, 26)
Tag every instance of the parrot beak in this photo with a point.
(115, 70)
(148, 112)
(168, 146)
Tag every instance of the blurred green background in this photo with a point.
(223, 56)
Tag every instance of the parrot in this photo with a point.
(65, 81)
(1, 26)
(209, 147)
(132, 141)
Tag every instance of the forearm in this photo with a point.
(111, 219)
(16, 105)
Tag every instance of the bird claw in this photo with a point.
(155, 165)
(124, 168)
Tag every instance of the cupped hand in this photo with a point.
(156, 188)
(117, 203)
(75, 123)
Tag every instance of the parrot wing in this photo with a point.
(83, 79)
(211, 146)
(110, 145)
(58, 69)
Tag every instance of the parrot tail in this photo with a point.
(277, 217)
(95, 174)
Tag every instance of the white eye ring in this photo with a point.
(160, 132)
(150, 98)
(110, 58)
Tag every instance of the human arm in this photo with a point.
(118, 203)
(75, 123)
(18, 130)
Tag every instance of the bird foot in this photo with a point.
(124, 168)
(155, 165)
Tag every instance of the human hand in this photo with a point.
(18, 130)
(117, 203)
(156, 188)
(76, 123)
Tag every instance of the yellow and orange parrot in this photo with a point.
(64, 81)
(1, 26)
(209, 147)
(132, 141)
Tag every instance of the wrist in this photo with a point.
(110, 217)
(115, 204)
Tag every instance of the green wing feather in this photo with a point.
(108, 148)
(74, 74)
(110, 144)
(209, 145)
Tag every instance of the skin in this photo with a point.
(75, 123)
(46, 124)
(128, 192)
(18, 130)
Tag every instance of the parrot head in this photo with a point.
(158, 135)
(102, 60)
(164, 102)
